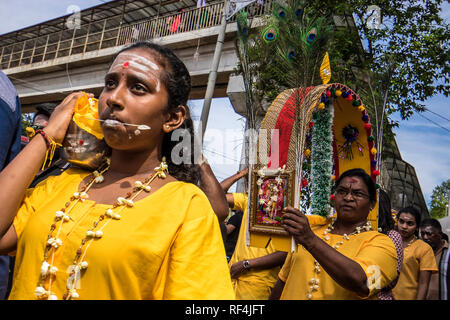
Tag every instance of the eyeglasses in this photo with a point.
(356, 194)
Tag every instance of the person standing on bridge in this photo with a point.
(137, 227)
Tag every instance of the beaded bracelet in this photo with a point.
(51, 147)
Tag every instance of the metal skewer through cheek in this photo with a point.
(139, 126)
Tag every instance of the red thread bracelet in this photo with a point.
(48, 141)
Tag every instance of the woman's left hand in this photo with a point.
(297, 225)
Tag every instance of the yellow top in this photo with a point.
(417, 257)
(251, 284)
(168, 246)
(373, 251)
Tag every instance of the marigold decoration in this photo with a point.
(307, 153)
(48, 271)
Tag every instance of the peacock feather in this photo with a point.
(242, 25)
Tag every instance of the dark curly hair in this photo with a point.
(178, 84)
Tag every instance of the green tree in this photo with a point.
(395, 67)
(439, 200)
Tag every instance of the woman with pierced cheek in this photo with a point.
(418, 258)
(136, 228)
(338, 258)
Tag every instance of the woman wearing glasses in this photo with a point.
(338, 258)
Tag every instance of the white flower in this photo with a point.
(260, 192)
(59, 214)
(52, 297)
(275, 189)
(83, 196)
(66, 218)
(74, 295)
(261, 201)
(44, 269)
(53, 270)
(89, 233)
(76, 195)
(84, 265)
(98, 234)
(147, 188)
(99, 179)
(274, 198)
(261, 173)
(129, 203)
(259, 181)
(278, 180)
(121, 200)
(40, 292)
(138, 184)
(161, 174)
(109, 212)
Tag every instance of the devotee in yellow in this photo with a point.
(253, 270)
(137, 227)
(340, 258)
(418, 258)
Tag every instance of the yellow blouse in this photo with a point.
(373, 251)
(417, 257)
(251, 284)
(168, 246)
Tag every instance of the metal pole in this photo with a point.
(213, 73)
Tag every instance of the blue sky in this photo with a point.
(423, 144)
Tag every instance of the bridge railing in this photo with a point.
(112, 32)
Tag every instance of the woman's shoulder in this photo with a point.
(70, 175)
(422, 247)
(378, 239)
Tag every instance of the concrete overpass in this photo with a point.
(47, 61)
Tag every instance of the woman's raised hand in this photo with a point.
(61, 116)
(297, 225)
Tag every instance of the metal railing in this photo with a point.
(112, 32)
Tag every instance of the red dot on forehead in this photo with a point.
(352, 180)
(126, 64)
